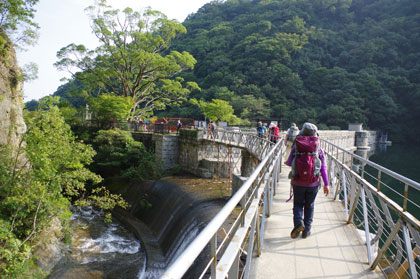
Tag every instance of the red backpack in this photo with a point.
(306, 164)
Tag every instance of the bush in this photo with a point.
(118, 154)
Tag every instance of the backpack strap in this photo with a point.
(291, 193)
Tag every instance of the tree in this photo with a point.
(133, 58)
(217, 110)
(119, 155)
(40, 185)
(16, 20)
(107, 108)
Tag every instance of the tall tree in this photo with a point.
(16, 19)
(132, 59)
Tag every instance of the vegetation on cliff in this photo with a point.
(42, 185)
(16, 20)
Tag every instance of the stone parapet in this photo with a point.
(344, 139)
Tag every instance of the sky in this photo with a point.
(63, 22)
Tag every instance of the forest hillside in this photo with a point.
(331, 62)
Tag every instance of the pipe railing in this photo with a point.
(228, 250)
(247, 139)
(391, 231)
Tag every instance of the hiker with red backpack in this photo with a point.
(274, 133)
(308, 164)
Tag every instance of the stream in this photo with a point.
(100, 250)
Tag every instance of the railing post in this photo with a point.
(250, 245)
(268, 195)
(409, 251)
(263, 216)
(275, 176)
(234, 270)
(343, 182)
(366, 221)
(405, 197)
(213, 255)
(387, 243)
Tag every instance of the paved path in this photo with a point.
(333, 250)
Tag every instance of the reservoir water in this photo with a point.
(404, 160)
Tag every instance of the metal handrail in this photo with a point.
(392, 235)
(351, 157)
(263, 180)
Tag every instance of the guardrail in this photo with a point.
(248, 139)
(229, 249)
(392, 232)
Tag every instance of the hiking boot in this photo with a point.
(305, 234)
(296, 231)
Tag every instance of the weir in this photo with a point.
(390, 232)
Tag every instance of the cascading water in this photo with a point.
(100, 250)
(176, 218)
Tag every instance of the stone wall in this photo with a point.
(12, 125)
(166, 150)
(345, 139)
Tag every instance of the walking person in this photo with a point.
(137, 124)
(291, 134)
(212, 130)
(308, 164)
(178, 126)
(260, 129)
(274, 133)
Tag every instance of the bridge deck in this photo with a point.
(333, 250)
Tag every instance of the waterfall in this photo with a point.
(175, 219)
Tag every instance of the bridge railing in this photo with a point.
(381, 203)
(250, 205)
(248, 139)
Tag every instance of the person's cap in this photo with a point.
(308, 129)
(293, 124)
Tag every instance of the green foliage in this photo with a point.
(188, 134)
(108, 107)
(133, 59)
(16, 20)
(38, 180)
(217, 110)
(331, 62)
(118, 154)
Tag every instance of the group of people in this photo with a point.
(138, 123)
(307, 161)
(271, 132)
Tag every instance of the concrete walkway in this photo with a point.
(333, 250)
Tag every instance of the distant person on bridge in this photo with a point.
(212, 130)
(308, 164)
(260, 129)
(274, 133)
(265, 130)
(291, 134)
(178, 126)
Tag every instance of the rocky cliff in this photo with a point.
(12, 125)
